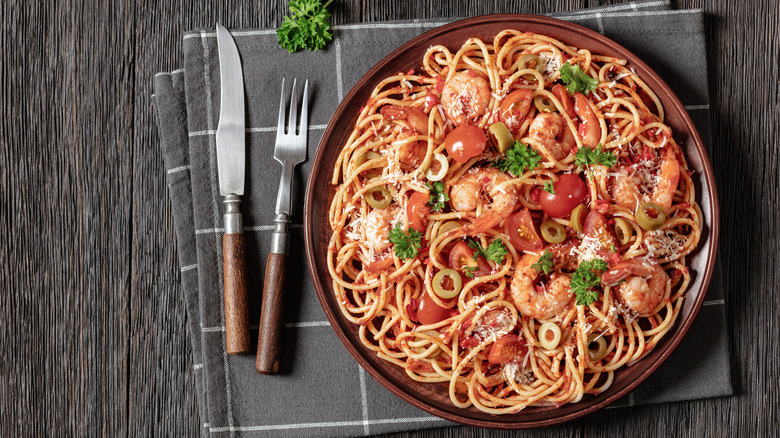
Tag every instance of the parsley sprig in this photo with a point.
(519, 158)
(469, 271)
(438, 197)
(548, 187)
(545, 263)
(308, 26)
(585, 278)
(496, 251)
(589, 157)
(577, 80)
(407, 243)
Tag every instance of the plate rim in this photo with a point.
(712, 228)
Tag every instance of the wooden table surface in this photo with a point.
(92, 324)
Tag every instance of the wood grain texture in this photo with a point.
(269, 338)
(236, 296)
(93, 338)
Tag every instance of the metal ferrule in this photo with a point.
(279, 240)
(234, 223)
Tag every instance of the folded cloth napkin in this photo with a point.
(322, 390)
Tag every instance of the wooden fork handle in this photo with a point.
(269, 339)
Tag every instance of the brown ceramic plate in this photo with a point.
(434, 398)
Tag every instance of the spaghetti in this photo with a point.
(444, 187)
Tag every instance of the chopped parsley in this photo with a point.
(438, 197)
(496, 251)
(548, 187)
(307, 28)
(519, 158)
(585, 278)
(407, 243)
(469, 271)
(577, 80)
(545, 263)
(589, 157)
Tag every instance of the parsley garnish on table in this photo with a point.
(589, 157)
(438, 197)
(307, 28)
(496, 251)
(407, 243)
(585, 278)
(545, 263)
(577, 80)
(519, 158)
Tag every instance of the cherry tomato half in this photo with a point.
(570, 191)
(506, 349)
(429, 312)
(465, 142)
(521, 231)
(417, 211)
(514, 108)
(462, 260)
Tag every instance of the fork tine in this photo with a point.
(292, 121)
(280, 123)
(305, 112)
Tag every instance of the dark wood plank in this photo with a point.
(66, 158)
(161, 398)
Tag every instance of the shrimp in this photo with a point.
(563, 95)
(413, 116)
(631, 181)
(599, 239)
(377, 225)
(589, 129)
(545, 129)
(545, 302)
(412, 154)
(644, 289)
(468, 193)
(564, 255)
(465, 97)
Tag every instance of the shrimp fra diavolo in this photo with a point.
(509, 184)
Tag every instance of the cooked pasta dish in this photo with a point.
(512, 219)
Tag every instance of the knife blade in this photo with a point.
(231, 165)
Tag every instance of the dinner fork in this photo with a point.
(290, 151)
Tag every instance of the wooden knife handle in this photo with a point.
(269, 340)
(236, 298)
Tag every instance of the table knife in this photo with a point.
(231, 165)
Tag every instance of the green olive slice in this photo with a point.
(597, 347)
(447, 283)
(552, 232)
(529, 60)
(365, 156)
(442, 167)
(378, 197)
(650, 216)
(501, 137)
(578, 217)
(544, 104)
(623, 231)
(424, 346)
(448, 226)
(549, 335)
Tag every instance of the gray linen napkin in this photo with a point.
(322, 391)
